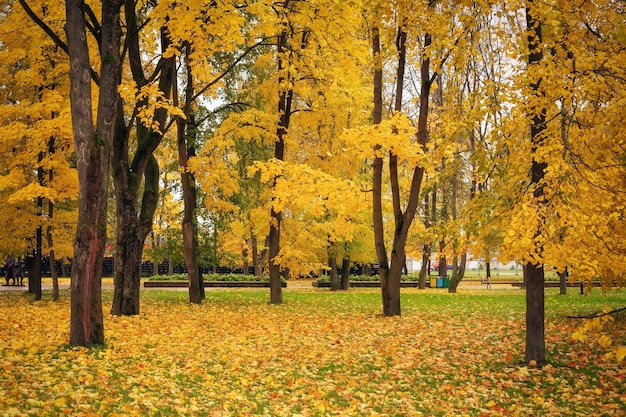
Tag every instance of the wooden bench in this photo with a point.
(212, 284)
(556, 284)
(370, 284)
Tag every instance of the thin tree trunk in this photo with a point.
(345, 273)
(333, 272)
(36, 284)
(535, 279)
(425, 270)
(563, 282)
(284, 110)
(53, 269)
(256, 260)
(187, 180)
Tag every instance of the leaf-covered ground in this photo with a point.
(318, 354)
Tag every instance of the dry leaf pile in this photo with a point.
(319, 354)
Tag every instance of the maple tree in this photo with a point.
(308, 188)
(93, 152)
(37, 147)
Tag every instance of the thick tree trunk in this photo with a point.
(458, 272)
(93, 161)
(535, 280)
(132, 230)
(134, 223)
(535, 314)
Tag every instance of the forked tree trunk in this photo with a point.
(133, 222)
(535, 279)
(93, 161)
(391, 268)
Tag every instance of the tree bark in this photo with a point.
(333, 272)
(134, 223)
(425, 270)
(563, 282)
(345, 273)
(534, 272)
(93, 161)
(49, 229)
(284, 110)
(190, 249)
(391, 268)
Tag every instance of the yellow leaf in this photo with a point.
(605, 341)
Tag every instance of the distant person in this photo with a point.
(8, 268)
(18, 272)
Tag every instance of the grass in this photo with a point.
(317, 354)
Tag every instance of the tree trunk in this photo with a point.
(563, 282)
(190, 249)
(333, 272)
(425, 270)
(458, 272)
(391, 269)
(93, 162)
(256, 257)
(535, 279)
(284, 110)
(345, 273)
(35, 286)
(134, 224)
(53, 269)
(132, 230)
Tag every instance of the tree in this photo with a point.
(93, 150)
(533, 271)
(37, 140)
(391, 269)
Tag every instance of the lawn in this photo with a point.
(318, 354)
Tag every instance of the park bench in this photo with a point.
(370, 284)
(214, 284)
(556, 284)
